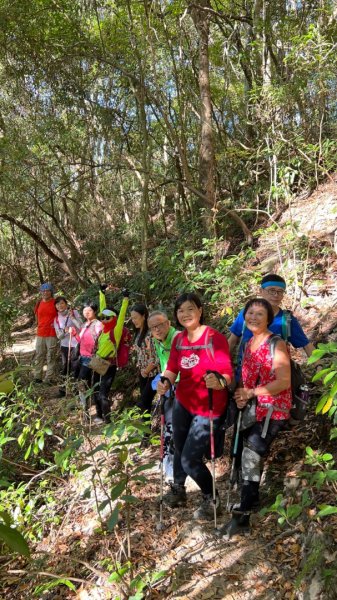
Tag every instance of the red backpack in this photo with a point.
(123, 351)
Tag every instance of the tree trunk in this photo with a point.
(206, 150)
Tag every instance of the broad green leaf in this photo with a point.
(316, 355)
(113, 519)
(158, 575)
(14, 540)
(103, 504)
(326, 510)
(28, 451)
(139, 478)
(329, 377)
(321, 403)
(143, 468)
(129, 499)
(331, 475)
(320, 374)
(333, 433)
(294, 511)
(98, 448)
(118, 489)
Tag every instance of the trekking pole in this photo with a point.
(235, 451)
(68, 360)
(160, 525)
(211, 429)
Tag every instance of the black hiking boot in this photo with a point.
(176, 496)
(238, 525)
(206, 509)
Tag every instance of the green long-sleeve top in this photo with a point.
(163, 348)
(109, 339)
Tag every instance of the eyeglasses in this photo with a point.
(159, 326)
(105, 318)
(272, 292)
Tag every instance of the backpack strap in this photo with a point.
(91, 330)
(207, 346)
(272, 341)
(286, 325)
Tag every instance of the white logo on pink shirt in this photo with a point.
(188, 362)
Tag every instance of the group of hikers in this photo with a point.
(183, 365)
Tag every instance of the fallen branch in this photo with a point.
(46, 574)
(282, 535)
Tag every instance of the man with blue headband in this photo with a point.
(285, 325)
(46, 340)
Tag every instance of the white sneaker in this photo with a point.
(98, 421)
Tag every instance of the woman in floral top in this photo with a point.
(266, 378)
(147, 360)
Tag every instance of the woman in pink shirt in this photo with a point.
(88, 337)
(196, 350)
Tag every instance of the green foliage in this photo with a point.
(112, 464)
(328, 401)
(22, 422)
(324, 474)
(288, 512)
(8, 314)
(134, 588)
(182, 269)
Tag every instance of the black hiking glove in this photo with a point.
(125, 293)
(103, 287)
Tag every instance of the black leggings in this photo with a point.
(146, 393)
(101, 390)
(104, 404)
(191, 435)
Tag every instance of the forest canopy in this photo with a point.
(125, 124)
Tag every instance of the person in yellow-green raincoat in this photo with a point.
(107, 346)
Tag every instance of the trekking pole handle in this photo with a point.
(221, 379)
(162, 397)
(163, 379)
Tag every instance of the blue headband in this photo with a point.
(46, 287)
(280, 284)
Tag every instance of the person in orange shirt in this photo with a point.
(46, 340)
